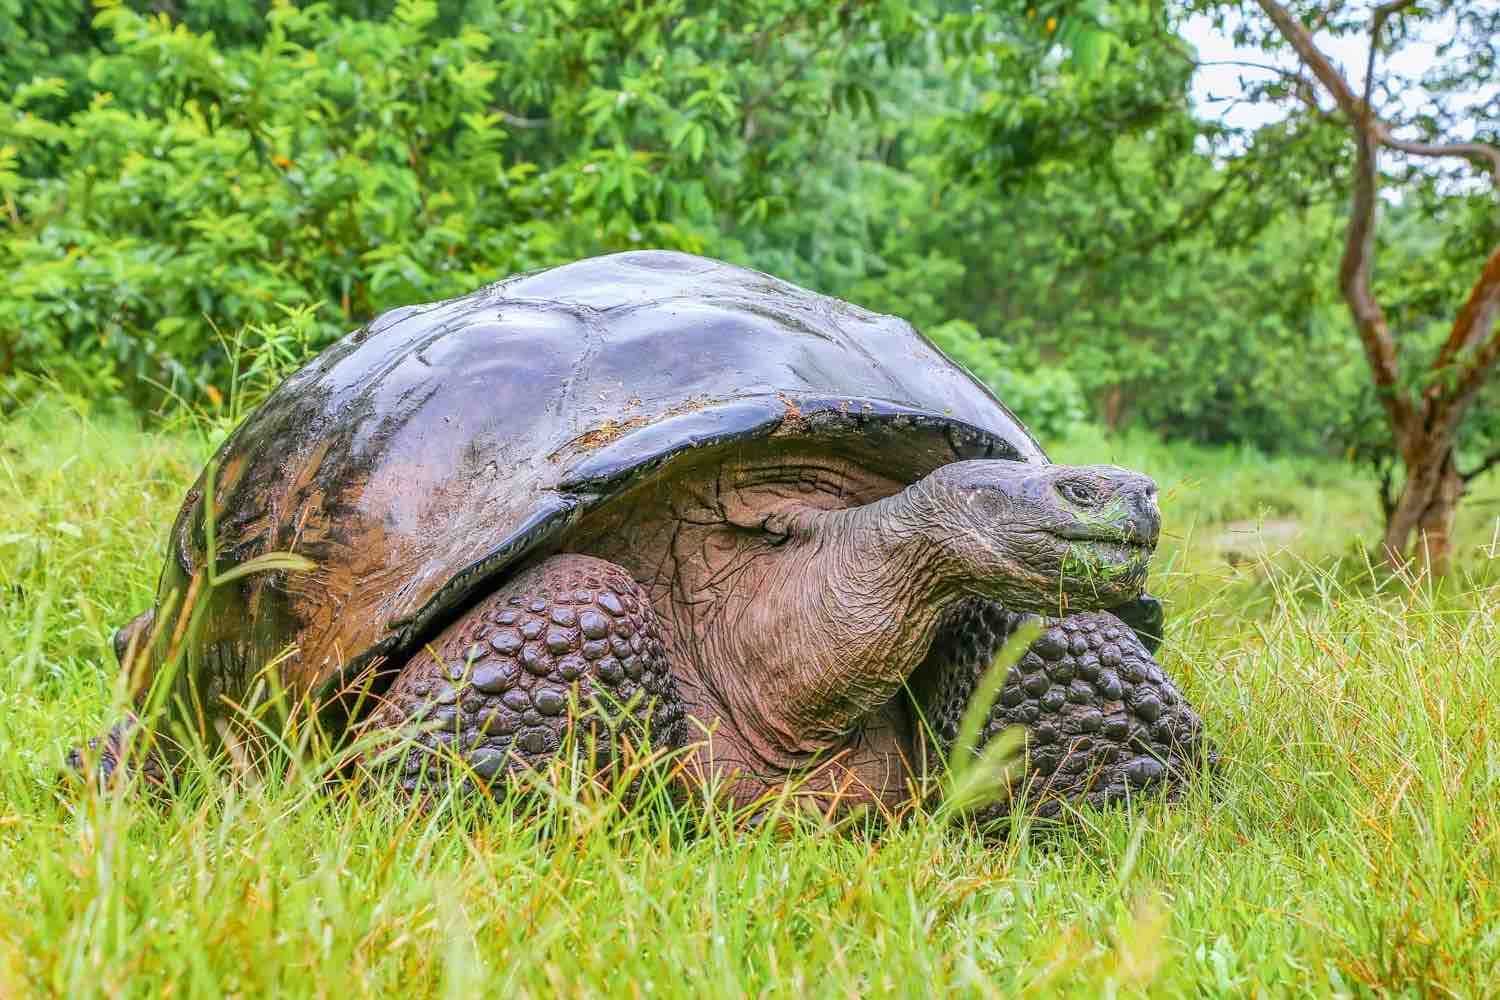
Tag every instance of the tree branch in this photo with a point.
(1471, 322)
(1301, 41)
(1377, 24)
(1358, 110)
(1467, 150)
(1474, 325)
(1305, 91)
(1359, 244)
(1280, 71)
(1489, 463)
(1354, 281)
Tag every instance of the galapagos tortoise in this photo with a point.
(763, 523)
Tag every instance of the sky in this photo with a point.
(1216, 88)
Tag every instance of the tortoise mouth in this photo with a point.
(1106, 537)
(1106, 562)
(1113, 551)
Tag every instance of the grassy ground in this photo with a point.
(1354, 846)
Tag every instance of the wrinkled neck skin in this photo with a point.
(842, 619)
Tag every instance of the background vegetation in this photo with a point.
(1028, 184)
(1026, 181)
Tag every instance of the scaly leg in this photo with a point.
(498, 688)
(1102, 721)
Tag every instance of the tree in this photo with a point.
(1091, 225)
(1427, 393)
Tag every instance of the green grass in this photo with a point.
(1353, 846)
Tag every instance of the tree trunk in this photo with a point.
(1426, 508)
(1435, 530)
(1114, 408)
(1425, 428)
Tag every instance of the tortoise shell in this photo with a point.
(419, 460)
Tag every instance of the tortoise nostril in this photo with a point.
(1144, 519)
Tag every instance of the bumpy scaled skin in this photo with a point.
(102, 757)
(1102, 721)
(496, 690)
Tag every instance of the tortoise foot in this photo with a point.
(1103, 722)
(127, 749)
(567, 654)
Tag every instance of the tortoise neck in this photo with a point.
(878, 555)
(848, 615)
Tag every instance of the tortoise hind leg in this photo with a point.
(495, 693)
(126, 748)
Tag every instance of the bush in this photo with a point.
(170, 188)
(344, 165)
(1048, 399)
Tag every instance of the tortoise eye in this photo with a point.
(1081, 494)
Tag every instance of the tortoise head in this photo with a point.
(1044, 538)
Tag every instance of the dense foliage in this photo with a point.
(175, 185)
(1024, 182)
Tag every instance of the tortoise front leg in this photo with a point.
(496, 693)
(1102, 721)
